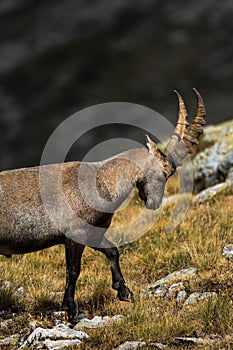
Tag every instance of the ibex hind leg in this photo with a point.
(74, 253)
(118, 283)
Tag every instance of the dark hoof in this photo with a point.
(124, 294)
(75, 318)
(74, 315)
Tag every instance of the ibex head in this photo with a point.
(162, 164)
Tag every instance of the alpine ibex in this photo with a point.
(26, 226)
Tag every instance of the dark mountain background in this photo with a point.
(57, 57)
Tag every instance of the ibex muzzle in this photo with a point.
(25, 225)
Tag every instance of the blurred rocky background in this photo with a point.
(57, 57)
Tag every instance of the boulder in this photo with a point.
(213, 167)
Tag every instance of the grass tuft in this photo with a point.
(7, 298)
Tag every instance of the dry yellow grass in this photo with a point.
(197, 242)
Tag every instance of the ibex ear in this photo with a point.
(153, 149)
(167, 167)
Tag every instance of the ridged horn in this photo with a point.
(182, 121)
(195, 130)
(181, 125)
(185, 137)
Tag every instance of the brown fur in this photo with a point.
(93, 192)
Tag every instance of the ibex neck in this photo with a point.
(118, 175)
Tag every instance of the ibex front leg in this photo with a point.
(73, 265)
(118, 283)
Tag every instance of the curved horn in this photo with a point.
(195, 130)
(181, 125)
(182, 121)
(185, 137)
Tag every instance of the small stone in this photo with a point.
(158, 345)
(193, 340)
(59, 314)
(32, 324)
(5, 285)
(60, 344)
(181, 296)
(131, 345)
(19, 293)
(56, 322)
(174, 289)
(228, 252)
(192, 298)
(160, 291)
(117, 318)
(97, 321)
(199, 296)
(58, 293)
(207, 295)
(81, 316)
(211, 192)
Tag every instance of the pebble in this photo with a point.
(228, 252)
(181, 296)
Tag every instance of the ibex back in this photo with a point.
(26, 226)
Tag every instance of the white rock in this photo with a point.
(60, 344)
(131, 345)
(58, 293)
(97, 321)
(5, 285)
(192, 298)
(228, 252)
(41, 336)
(32, 324)
(181, 296)
(193, 340)
(178, 274)
(160, 287)
(158, 345)
(199, 296)
(210, 192)
(155, 290)
(19, 293)
(175, 288)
